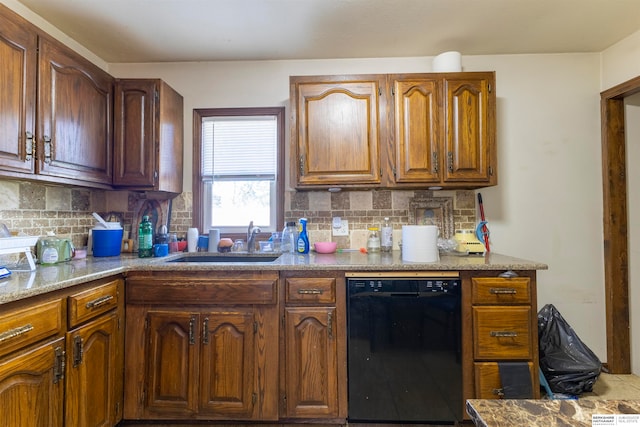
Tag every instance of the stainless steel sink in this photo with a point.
(222, 258)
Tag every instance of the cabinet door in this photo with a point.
(311, 367)
(470, 129)
(172, 363)
(416, 131)
(227, 369)
(135, 139)
(337, 136)
(32, 387)
(18, 43)
(92, 353)
(74, 116)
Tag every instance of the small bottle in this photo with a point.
(386, 236)
(302, 245)
(289, 239)
(373, 242)
(145, 238)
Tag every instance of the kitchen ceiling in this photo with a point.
(214, 30)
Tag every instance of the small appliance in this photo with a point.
(468, 242)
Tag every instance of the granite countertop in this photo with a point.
(45, 279)
(551, 413)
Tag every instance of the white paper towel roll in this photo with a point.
(447, 62)
(420, 243)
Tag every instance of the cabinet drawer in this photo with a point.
(198, 291)
(321, 290)
(499, 290)
(92, 302)
(488, 382)
(25, 326)
(502, 333)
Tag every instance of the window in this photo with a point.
(238, 169)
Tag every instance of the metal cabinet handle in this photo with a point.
(15, 332)
(498, 291)
(330, 325)
(78, 350)
(503, 334)
(48, 149)
(99, 301)
(192, 326)
(310, 291)
(60, 365)
(29, 148)
(205, 331)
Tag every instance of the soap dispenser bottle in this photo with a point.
(303, 238)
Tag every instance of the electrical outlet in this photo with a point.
(340, 228)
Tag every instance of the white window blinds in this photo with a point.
(239, 147)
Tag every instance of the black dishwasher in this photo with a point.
(404, 350)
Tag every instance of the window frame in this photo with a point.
(197, 181)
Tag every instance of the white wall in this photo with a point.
(620, 63)
(548, 204)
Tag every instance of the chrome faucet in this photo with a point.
(251, 237)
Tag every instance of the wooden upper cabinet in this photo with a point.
(470, 129)
(396, 130)
(148, 141)
(18, 50)
(336, 130)
(74, 116)
(416, 129)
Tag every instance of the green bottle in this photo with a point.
(145, 238)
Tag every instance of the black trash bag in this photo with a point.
(569, 366)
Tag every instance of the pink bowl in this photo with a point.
(325, 247)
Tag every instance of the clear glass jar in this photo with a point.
(373, 241)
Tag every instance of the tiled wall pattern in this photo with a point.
(364, 209)
(34, 209)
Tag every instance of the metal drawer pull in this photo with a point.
(502, 334)
(16, 332)
(310, 291)
(498, 291)
(99, 301)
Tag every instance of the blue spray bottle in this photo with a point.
(302, 245)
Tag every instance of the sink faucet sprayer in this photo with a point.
(251, 237)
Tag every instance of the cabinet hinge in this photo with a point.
(118, 408)
(156, 94)
(379, 91)
(254, 398)
(255, 327)
(283, 321)
(490, 88)
(301, 165)
(490, 171)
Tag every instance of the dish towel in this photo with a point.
(516, 380)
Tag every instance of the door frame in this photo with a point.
(615, 239)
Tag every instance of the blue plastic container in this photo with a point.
(107, 242)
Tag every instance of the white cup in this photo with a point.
(214, 239)
(192, 239)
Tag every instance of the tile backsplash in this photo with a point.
(33, 209)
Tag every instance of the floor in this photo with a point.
(615, 387)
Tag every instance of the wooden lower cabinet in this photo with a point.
(95, 352)
(202, 348)
(313, 369)
(32, 387)
(501, 327)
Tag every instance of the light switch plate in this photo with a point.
(342, 229)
